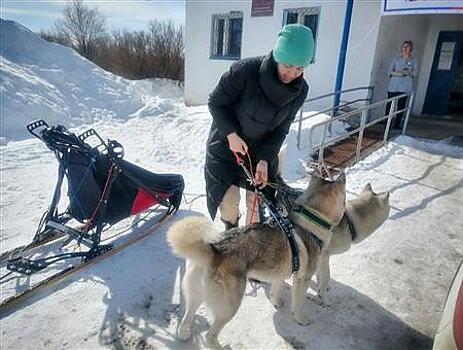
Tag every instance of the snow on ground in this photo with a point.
(387, 292)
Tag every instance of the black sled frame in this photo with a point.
(54, 224)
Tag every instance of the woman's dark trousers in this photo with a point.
(401, 103)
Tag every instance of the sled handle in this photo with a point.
(31, 127)
(91, 132)
(116, 149)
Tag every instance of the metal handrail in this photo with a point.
(354, 131)
(367, 107)
(332, 109)
(363, 124)
(370, 88)
(357, 100)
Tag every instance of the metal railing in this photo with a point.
(333, 110)
(363, 124)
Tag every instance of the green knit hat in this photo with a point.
(295, 45)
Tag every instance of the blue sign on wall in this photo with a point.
(407, 7)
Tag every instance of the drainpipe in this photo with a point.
(342, 53)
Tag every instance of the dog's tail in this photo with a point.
(190, 238)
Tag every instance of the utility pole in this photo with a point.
(342, 54)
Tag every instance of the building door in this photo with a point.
(445, 87)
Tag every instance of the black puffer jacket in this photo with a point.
(250, 100)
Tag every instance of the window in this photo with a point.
(226, 35)
(307, 16)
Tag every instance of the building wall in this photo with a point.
(366, 19)
(373, 43)
(259, 35)
(201, 73)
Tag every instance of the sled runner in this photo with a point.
(103, 189)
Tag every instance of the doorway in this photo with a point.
(444, 95)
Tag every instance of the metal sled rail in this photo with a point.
(9, 304)
(29, 247)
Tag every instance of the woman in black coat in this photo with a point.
(252, 107)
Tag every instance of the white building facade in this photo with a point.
(220, 32)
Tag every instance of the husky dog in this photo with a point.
(362, 217)
(218, 264)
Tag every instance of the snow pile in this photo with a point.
(43, 80)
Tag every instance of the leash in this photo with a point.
(251, 180)
(285, 225)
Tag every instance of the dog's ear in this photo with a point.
(384, 198)
(342, 177)
(309, 171)
(315, 179)
(368, 188)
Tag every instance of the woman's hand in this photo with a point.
(399, 73)
(261, 174)
(236, 144)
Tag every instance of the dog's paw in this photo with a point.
(323, 299)
(183, 333)
(302, 320)
(212, 342)
(320, 289)
(325, 302)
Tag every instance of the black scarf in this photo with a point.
(274, 89)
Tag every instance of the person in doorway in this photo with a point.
(252, 107)
(402, 71)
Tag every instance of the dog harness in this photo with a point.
(314, 216)
(283, 223)
(303, 213)
(286, 195)
(352, 230)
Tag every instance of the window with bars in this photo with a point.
(226, 35)
(308, 16)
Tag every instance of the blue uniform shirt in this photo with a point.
(404, 83)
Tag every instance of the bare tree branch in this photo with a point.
(82, 25)
(154, 53)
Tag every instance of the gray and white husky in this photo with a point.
(219, 263)
(363, 215)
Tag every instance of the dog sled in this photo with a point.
(103, 189)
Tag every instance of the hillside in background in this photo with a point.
(45, 80)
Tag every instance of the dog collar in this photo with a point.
(314, 216)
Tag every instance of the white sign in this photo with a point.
(407, 7)
(446, 55)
